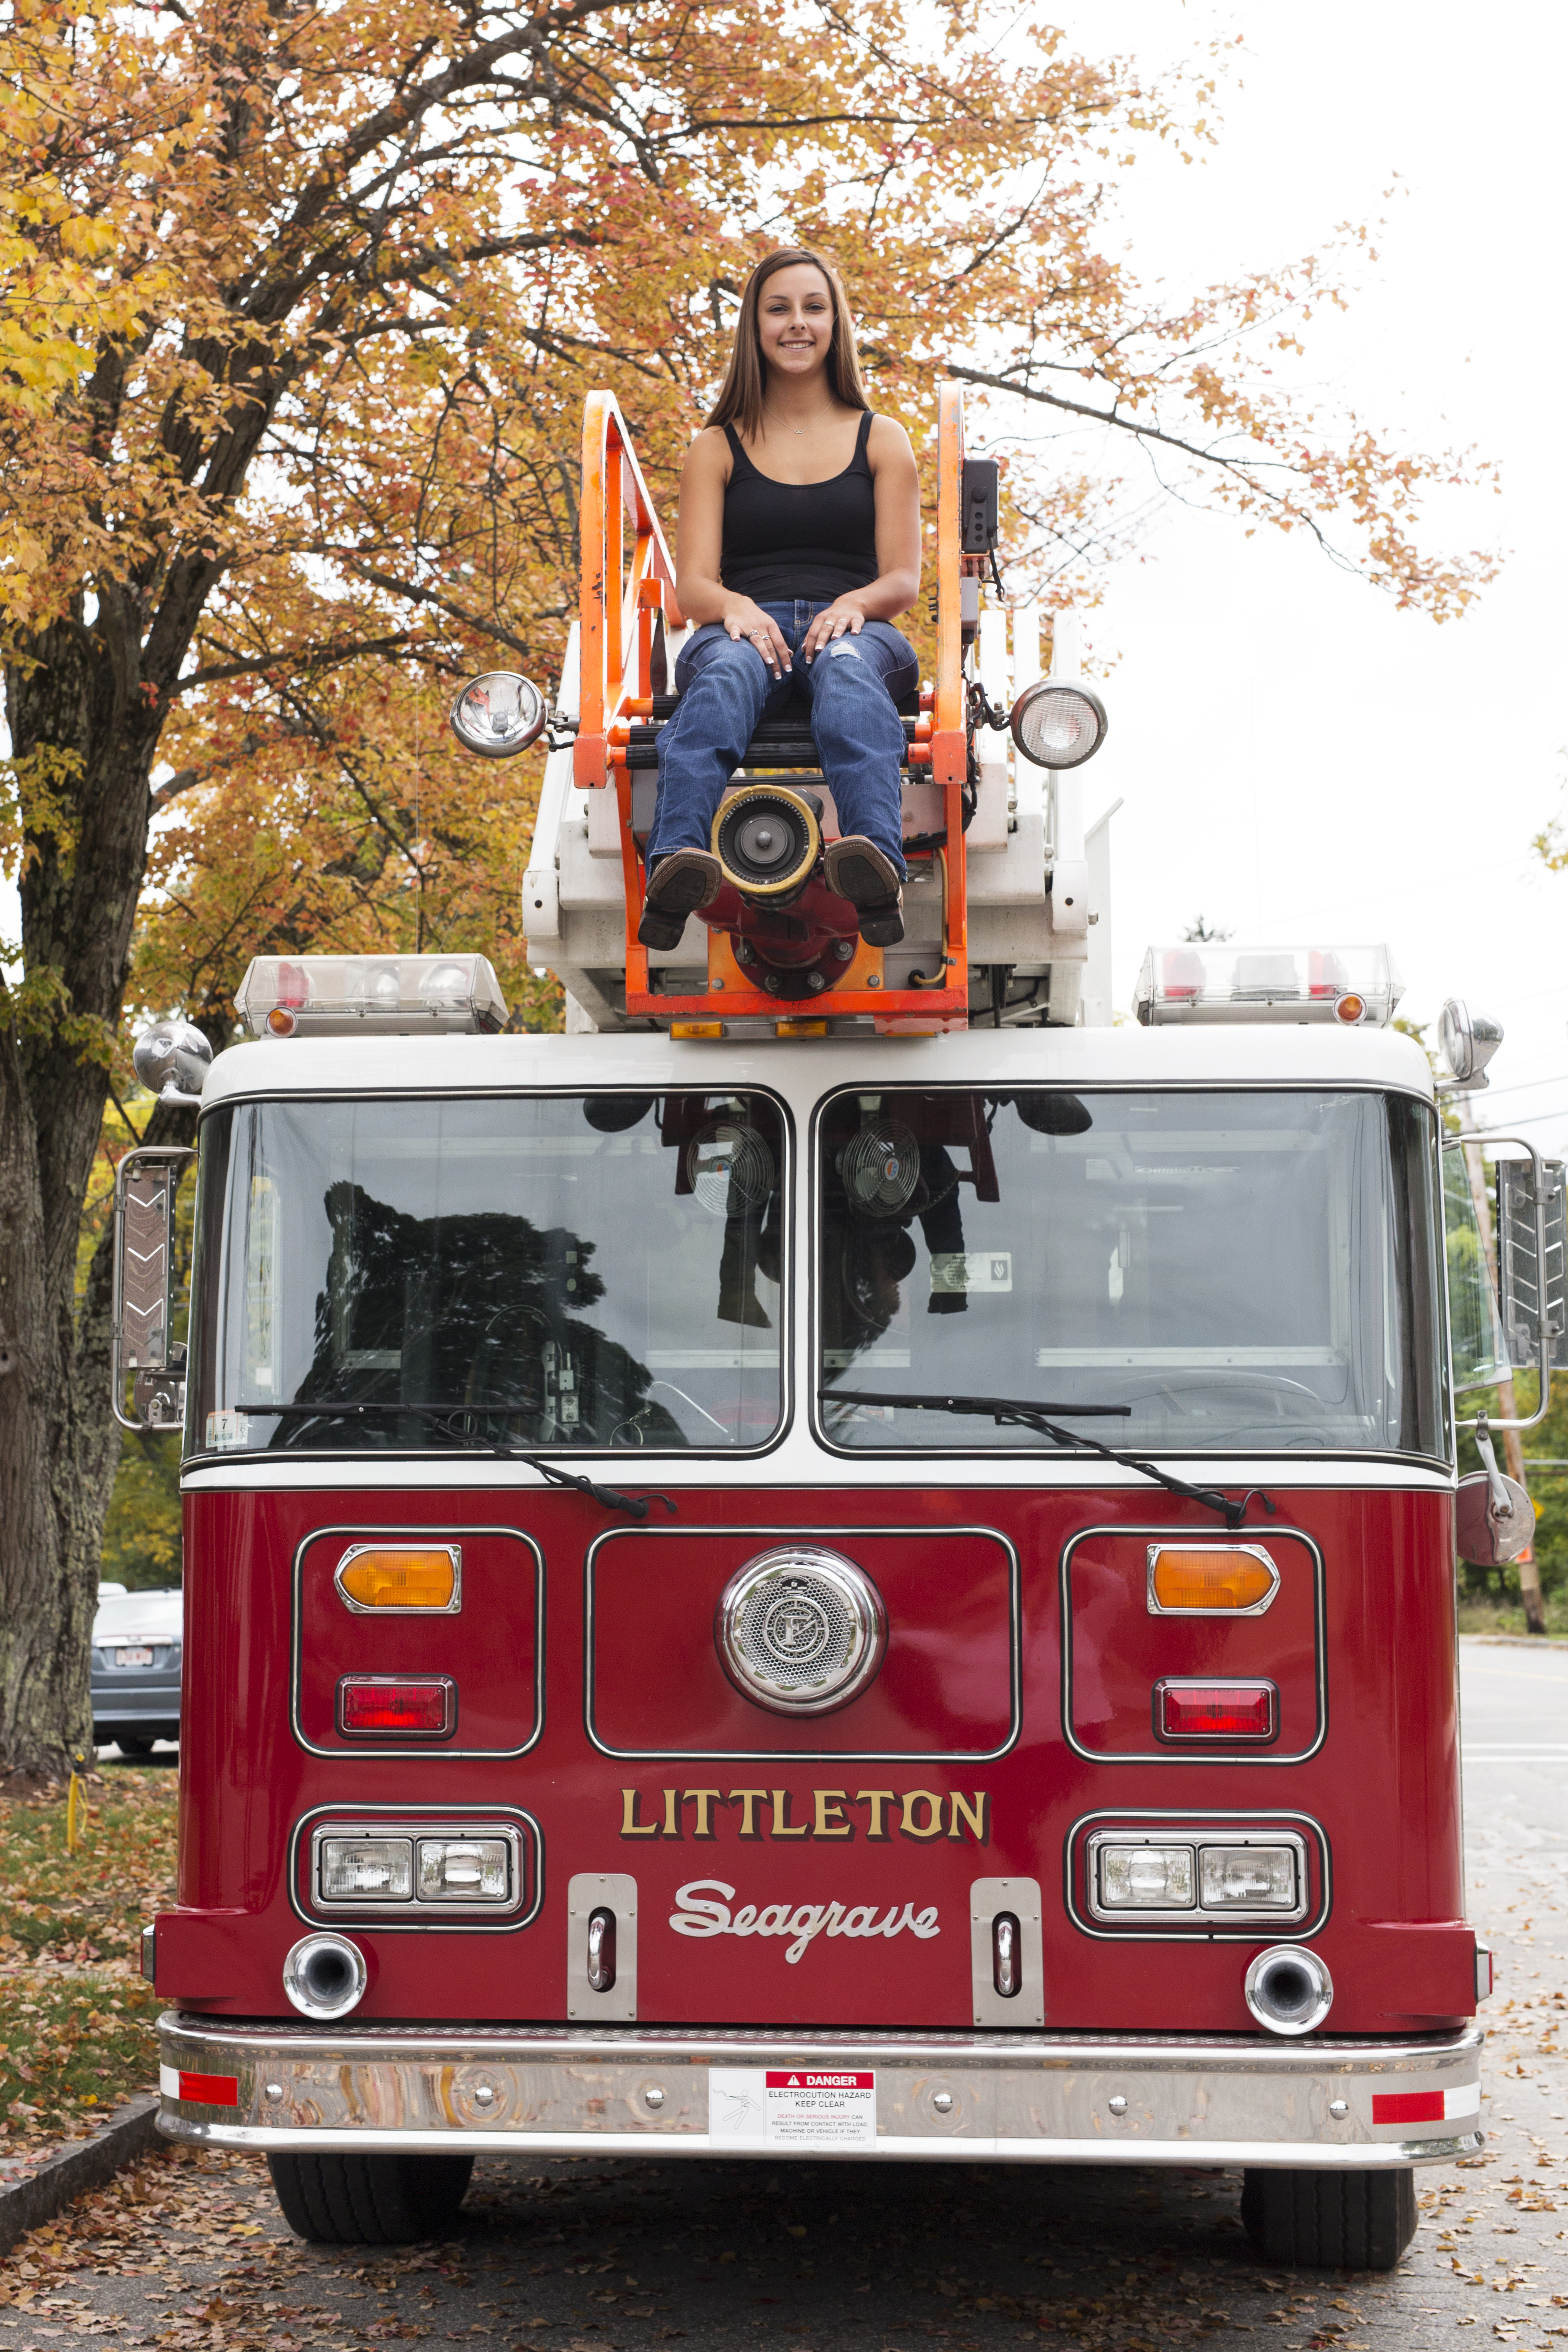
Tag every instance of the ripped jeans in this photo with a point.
(851, 690)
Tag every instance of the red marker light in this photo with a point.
(424, 1707)
(1215, 1710)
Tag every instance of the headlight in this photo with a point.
(380, 1867)
(1057, 725)
(1147, 1877)
(1191, 1875)
(465, 1870)
(1248, 1878)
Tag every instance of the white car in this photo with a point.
(138, 1642)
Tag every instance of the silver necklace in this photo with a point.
(796, 429)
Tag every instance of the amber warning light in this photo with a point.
(1211, 1579)
(394, 1578)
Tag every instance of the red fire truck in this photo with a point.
(848, 1558)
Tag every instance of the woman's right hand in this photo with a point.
(743, 619)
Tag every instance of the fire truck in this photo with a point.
(849, 1558)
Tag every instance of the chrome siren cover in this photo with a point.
(800, 1629)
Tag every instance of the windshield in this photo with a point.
(550, 1271)
(1242, 1271)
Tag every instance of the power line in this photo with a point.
(1525, 1085)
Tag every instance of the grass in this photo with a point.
(76, 2017)
(1491, 1615)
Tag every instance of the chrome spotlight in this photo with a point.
(1057, 725)
(1468, 1041)
(173, 1059)
(499, 715)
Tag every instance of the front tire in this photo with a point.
(369, 2200)
(1329, 2220)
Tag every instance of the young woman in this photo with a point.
(799, 544)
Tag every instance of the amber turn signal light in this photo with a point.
(394, 1577)
(1214, 1580)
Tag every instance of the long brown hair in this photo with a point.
(740, 401)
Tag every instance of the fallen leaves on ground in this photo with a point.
(76, 2017)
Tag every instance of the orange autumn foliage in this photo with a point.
(342, 277)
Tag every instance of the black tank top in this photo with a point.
(784, 540)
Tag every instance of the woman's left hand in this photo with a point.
(843, 618)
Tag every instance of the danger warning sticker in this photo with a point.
(791, 2108)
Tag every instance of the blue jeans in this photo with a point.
(726, 689)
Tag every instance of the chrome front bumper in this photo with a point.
(1032, 2097)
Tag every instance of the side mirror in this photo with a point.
(145, 1184)
(172, 1058)
(1533, 1208)
(1494, 1519)
(499, 715)
(1468, 1041)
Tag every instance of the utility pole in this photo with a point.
(1513, 1449)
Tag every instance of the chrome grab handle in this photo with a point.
(602, 1949)
(1007, 1973)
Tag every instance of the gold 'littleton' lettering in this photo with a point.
(908, 1826)
(877, 1798)
(629, 1825)
(747, 1800)
(703, 1800)
(920, 1814)
(972, 1812)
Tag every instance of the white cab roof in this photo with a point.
(805, 1070)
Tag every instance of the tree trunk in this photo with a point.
(58, 1441)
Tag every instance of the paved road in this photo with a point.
(596, 2256)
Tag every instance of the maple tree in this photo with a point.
(300, 309)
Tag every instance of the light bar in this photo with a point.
(349, 996)
(1341, 987)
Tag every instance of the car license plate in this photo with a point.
(137, 1658)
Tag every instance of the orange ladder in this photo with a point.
(627, 609)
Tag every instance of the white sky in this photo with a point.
(1300, 761)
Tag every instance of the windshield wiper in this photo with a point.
(1019, 1412)
(448, 1419)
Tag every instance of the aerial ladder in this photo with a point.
(1006, 905)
